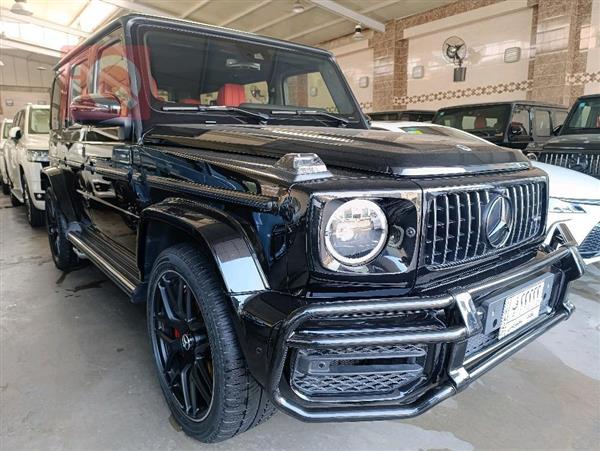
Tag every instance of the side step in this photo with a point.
(117, 271)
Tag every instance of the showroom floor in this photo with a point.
(76, 373)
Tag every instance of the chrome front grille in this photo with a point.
(456, 221)
(586, 163)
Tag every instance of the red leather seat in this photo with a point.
(231, 94)
(190, 101)
(480, 122)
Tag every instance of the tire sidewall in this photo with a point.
(173, 262)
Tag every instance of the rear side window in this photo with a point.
(558, 118)
(79, 80)
(112, 74)
(541, 122)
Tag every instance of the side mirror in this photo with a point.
(557, 130)
(515, 130)
(15, 133)
(97, 109)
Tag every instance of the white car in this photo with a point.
(575, 200)
(4, 129)
(26, 153)
(574, 197)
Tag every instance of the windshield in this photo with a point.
(6, 129)
(39, 121)
(190, 69)
(584, 118)
(487, 121)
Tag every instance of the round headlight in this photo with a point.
(356, 232)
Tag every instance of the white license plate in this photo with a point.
(521, 308)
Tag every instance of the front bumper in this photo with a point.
(455, 367)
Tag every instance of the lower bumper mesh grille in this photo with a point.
(591, 245)
(358, 371)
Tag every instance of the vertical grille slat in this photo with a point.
(586, 163)
(456, 221)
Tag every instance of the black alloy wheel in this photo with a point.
(62, 251)
(181, 345)
(200, 365)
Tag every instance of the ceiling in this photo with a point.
(59, 23)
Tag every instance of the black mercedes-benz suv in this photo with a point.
(577, 145)
(289, 256)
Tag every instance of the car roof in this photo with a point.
(510, 102)
(588, 96)
(124, 20)
(402, 111)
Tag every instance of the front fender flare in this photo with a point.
(61, 180)
(231, 250)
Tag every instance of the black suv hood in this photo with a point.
(588, 142)
(355, 149)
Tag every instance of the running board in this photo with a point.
(103, 264)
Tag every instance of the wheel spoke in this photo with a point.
(185, 387)
(188, 305)
(202, 380)
(166, 303)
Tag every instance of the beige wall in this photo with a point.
(356, 61)
(486, 40)
(560, 54)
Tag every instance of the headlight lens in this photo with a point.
(356, 232)
(37, 155)
(563, 206)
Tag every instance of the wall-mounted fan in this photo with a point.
(454, 50)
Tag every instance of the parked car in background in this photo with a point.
(577, 145)
(518, 124)
(289, 256)
(403, 115)
(4, 131)
(574, 198)
(26, 153)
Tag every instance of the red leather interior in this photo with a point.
(190, 101)
(231, 94)
(480, 122)
(154, 89)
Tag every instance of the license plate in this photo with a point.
(521, 308)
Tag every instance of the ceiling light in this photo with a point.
(298, 7)
(40, 68)
(1, 63)
(358, 35)
(20, 7)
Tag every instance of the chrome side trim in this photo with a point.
(124, 283)
(475, 169)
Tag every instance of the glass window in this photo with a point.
(308, 91)
(520, 121)
(6, 129)
(19, 120)
(584, 117)
(39, 121)
(485, 120)
(186, 68)
(541, 122)
(558, 118)
(55, 103)
(112, 74)
(79, 78)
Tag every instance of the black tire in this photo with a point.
(63, 255)
(237, 402)
(14, 201)
(35, 217)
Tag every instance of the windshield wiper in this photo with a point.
(262, 117)
(341, 121)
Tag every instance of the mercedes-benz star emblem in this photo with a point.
(187, 342)
(499, 221)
